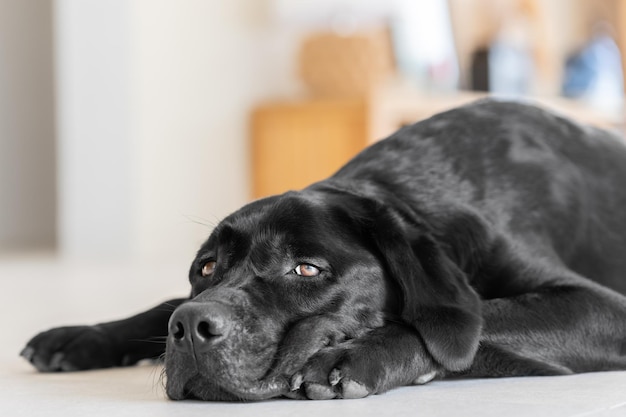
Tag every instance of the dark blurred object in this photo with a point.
(480, 70)
(579, 74)
(595, 73)
(504, 63)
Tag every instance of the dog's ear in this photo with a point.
(438, 300)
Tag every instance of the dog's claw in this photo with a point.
(27, 353)
(296, 382)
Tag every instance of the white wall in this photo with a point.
(27, 159)
(153, 101)
(193, 82)
(93, 63)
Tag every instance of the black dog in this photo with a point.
(486, 241)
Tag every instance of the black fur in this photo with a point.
(486, 241)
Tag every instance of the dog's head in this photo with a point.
(286, 276)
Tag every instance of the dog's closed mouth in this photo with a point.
(200, 387)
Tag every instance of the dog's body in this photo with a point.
(485, 241)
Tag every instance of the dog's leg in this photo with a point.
(387, 357)
(557, 330)
(105, 345)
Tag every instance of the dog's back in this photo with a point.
(554, 184)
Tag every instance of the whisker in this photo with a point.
(202, 221)
(162, 376)
(172, 307)
(158, 379)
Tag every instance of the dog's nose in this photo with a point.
(197, 325)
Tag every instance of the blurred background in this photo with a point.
(128, 128)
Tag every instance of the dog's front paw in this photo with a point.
(338, 372)
(71, 349)
(388, 357)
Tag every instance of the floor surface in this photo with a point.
(40, 291)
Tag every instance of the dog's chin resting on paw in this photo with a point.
(470, 244)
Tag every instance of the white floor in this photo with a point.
(39, 292)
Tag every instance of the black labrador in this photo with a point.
(486, 241)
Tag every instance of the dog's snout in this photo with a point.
(197, 325)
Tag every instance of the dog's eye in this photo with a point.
(208, 268)
(306, 270)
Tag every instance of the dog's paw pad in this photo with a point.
(318, 391)
(295, 395)
(423, 379)
(352, 389)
